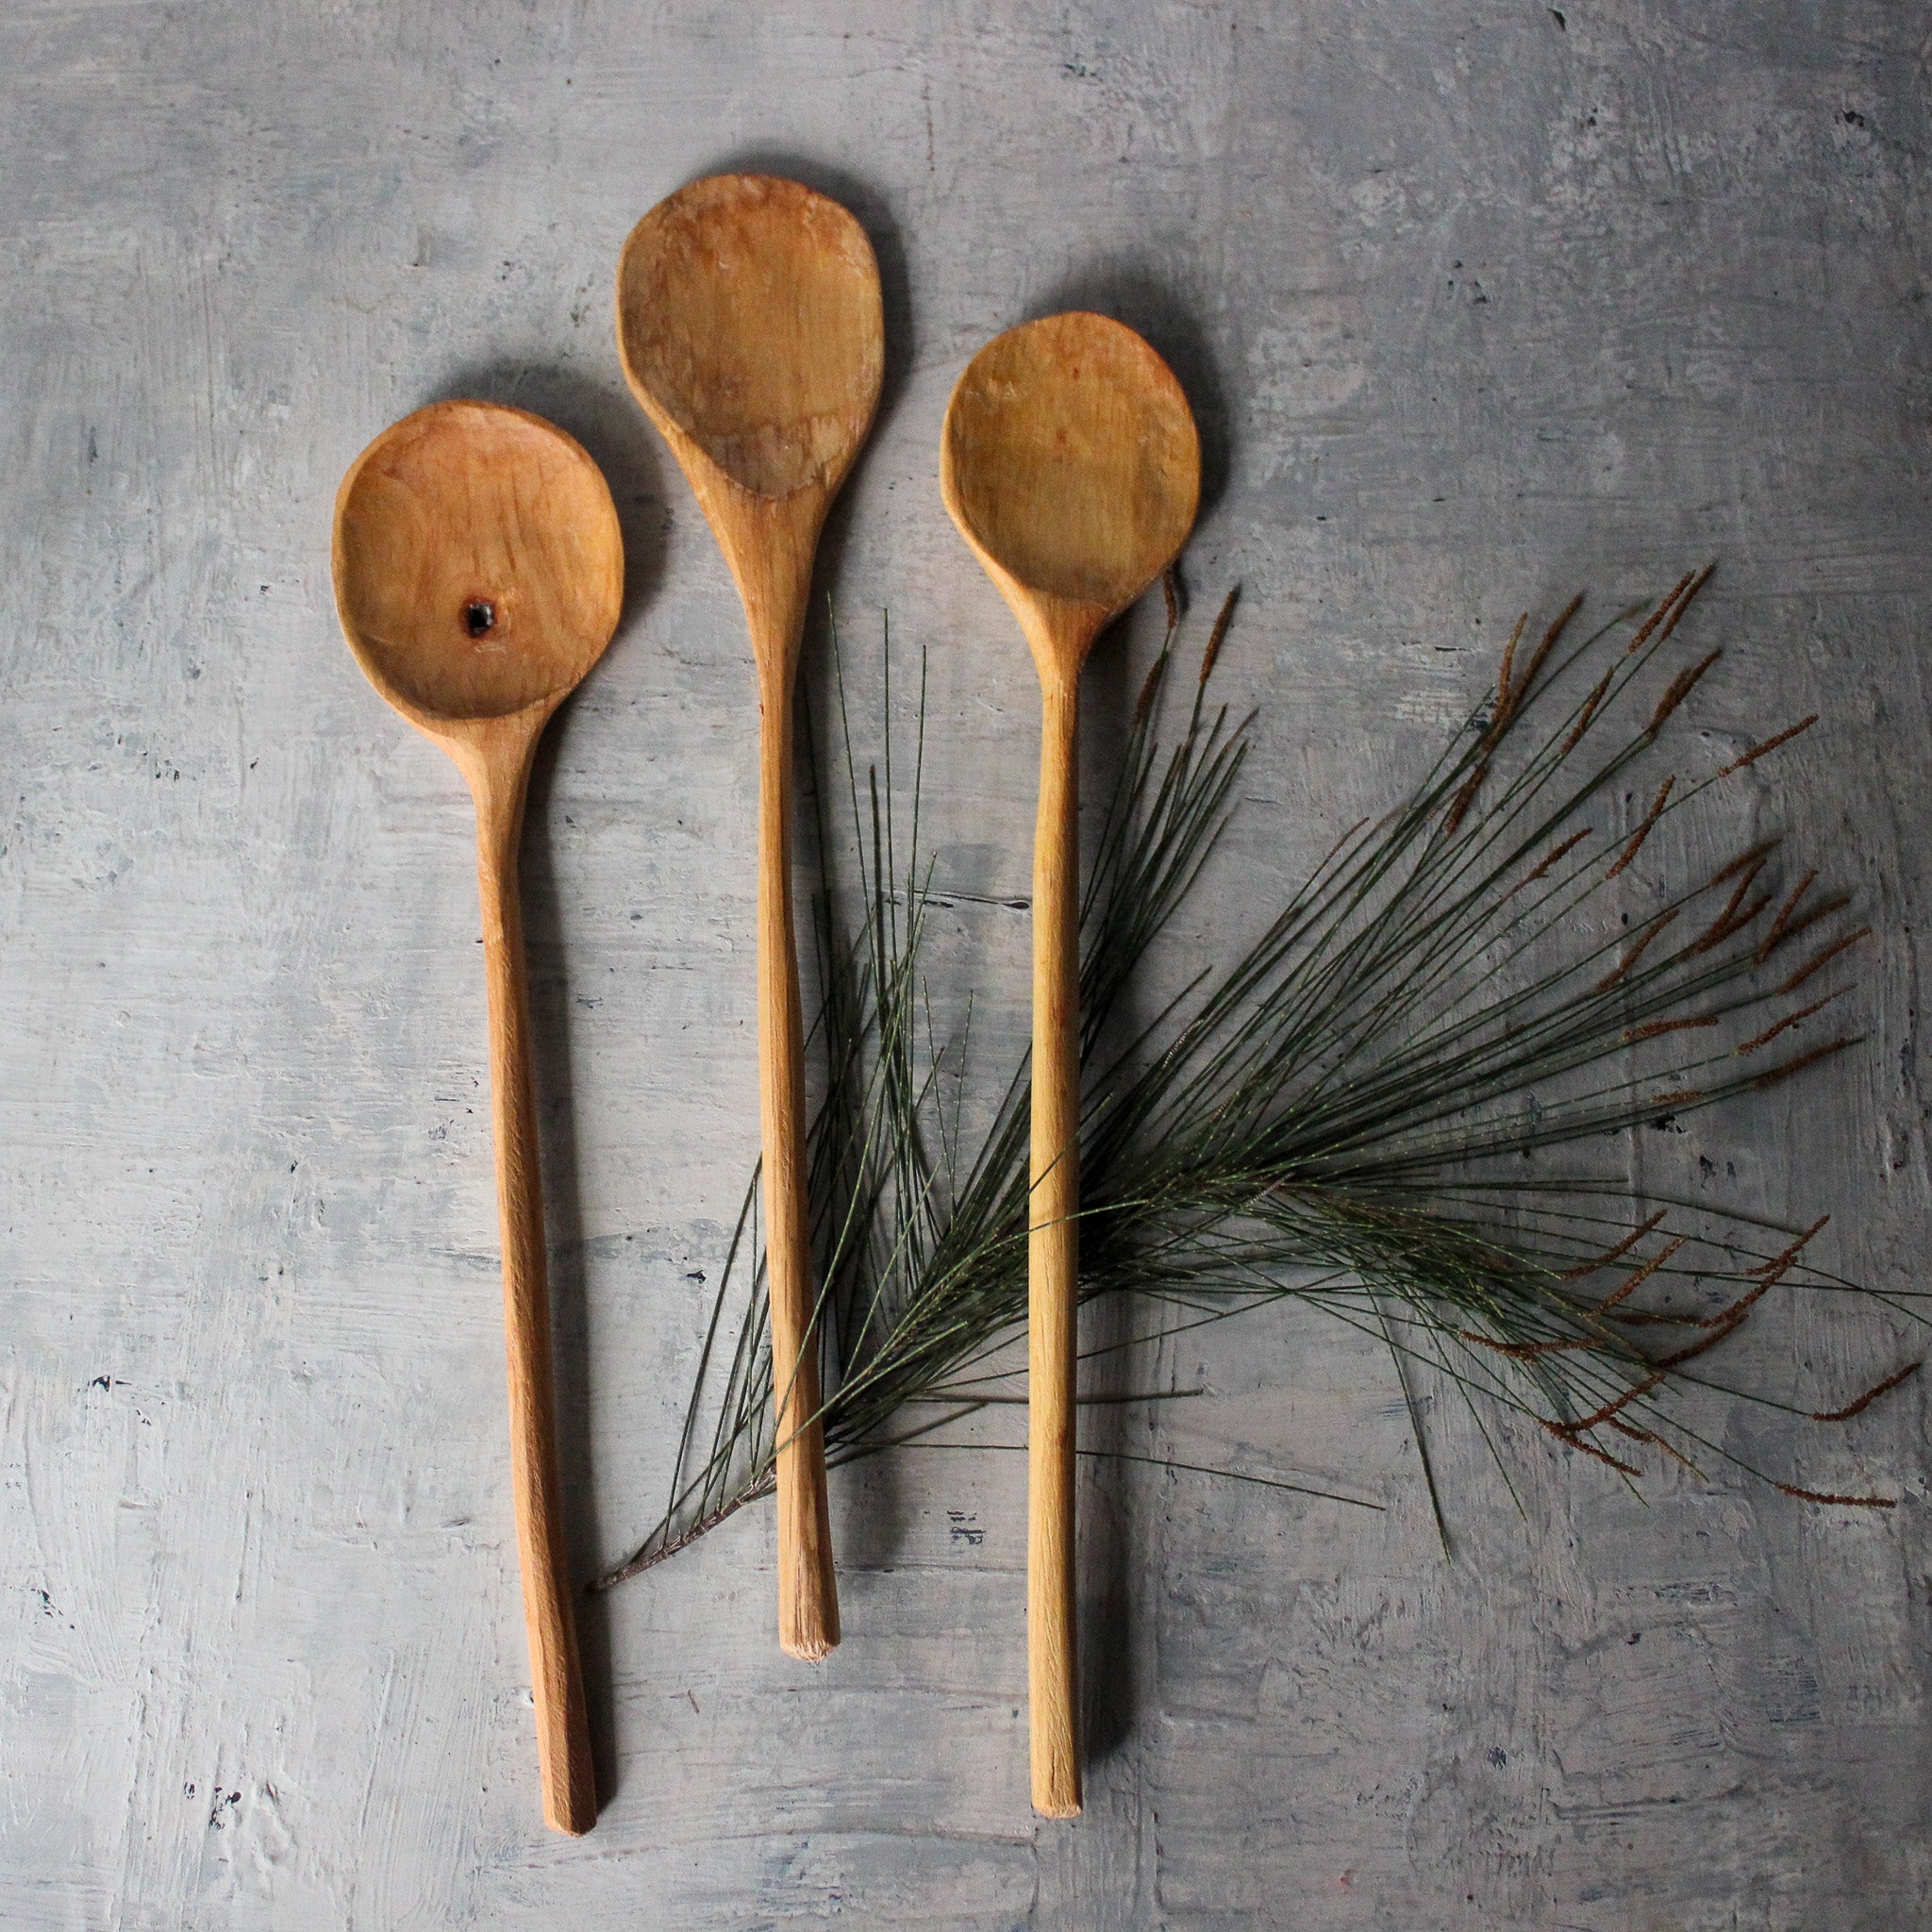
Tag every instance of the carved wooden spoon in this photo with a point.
(1070, 463)
(479, 573)
(751, 330)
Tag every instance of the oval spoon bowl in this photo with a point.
(750, 322)
(1071, 461)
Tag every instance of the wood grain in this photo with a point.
(1053, 1260)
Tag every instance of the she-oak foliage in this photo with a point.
(1341, 1114)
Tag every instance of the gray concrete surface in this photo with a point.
(1478, 302)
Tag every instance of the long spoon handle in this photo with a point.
(563, 1735)
(1053, 1257)
(807, 1588)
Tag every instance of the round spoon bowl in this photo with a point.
(478, 563)
(749, 318)
(1071, 461)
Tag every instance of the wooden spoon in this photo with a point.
(479, 573)
(1070, 463)
(751, 330)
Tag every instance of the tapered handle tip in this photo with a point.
(808, 1591)
(570, 1802)
(1057, 1791)
(570, 1785)
(572, 1822)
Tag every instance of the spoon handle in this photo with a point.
(1053, 1257)
(808, 1587)
(563, 1736)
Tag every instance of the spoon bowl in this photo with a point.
(751, 328)
(1070, 463)
(478, 575)
(478, 563)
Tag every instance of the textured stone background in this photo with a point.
(1477, 302)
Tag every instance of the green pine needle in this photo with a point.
(1342, 1115)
